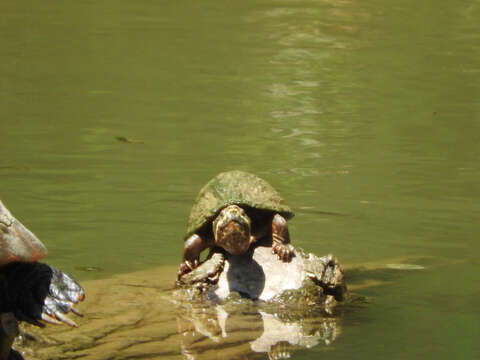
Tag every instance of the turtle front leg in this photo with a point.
(281, 239)
(194, 245)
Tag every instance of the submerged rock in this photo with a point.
(138, 316)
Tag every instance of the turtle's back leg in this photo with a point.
(281, 238)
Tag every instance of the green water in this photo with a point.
(363, 114)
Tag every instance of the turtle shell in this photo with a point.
(17, 243)
(234, 187)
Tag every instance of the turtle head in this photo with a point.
(231, 229)
(17, 243)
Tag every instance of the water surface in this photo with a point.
(364, 114)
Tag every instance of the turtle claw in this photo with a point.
(58, 318)
(285, 252)
(49, 319)
(185, 267)
(64, 293)
(65, 319)
(76, 311)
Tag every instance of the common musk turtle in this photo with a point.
(232, 211)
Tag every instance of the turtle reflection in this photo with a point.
(203, 332)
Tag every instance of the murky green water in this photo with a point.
(364, 114)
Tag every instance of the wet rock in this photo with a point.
(260, 275)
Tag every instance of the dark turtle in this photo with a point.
(31, 290)
(232, 211)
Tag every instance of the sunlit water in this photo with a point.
(363, 114)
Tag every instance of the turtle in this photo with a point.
(31, 290)
(232, 211)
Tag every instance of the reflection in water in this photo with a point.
(276, 331)
(246, 329)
